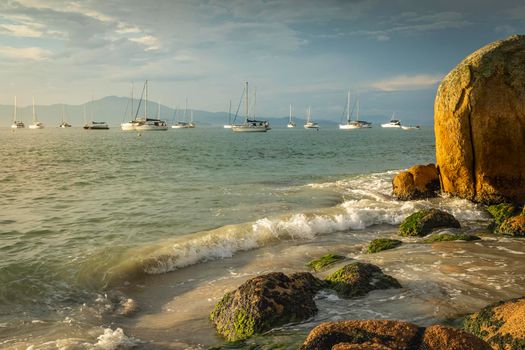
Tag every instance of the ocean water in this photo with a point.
(112, 239)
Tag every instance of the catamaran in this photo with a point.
(93, 125)
(394, 123)
(354, 124)
(64, 123)
(309, 123)
(291, 122)
(36, 124)
(17, 124)
(250, 125)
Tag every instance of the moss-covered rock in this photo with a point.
(324, 261)
(508, 220)
(513, 226)
(444, 237)
(380, 244)
(265, 302)
(501, 212)
(388, 335)
(423, 222)
(500, 324)
(358, 278)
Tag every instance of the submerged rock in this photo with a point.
(479, 123)
(358, 278)
(445, 237)
(500, 324)
(265, 302)
(420, 181)
(390, 335)
(324, 261)
(380, 244)
(423, 222)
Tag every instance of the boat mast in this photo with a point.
(357, 110)
(132, 118)
(290, 119)
(246, 106)
(14, 112)
(62, 113)
(34, 116)
(146, 104)
(185, 110)
(348, 108)
(254, 101)
(230, 113)
(191, 116)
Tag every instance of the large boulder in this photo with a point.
(389, 335)
(358, 278)
(265, 302)
(500, 324)
(479, 121)
(421, 223)
(420, 181)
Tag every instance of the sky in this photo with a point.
(390, 55)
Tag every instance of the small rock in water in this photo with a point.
(423, 222)
(380, 244)
(324, 261)
(420, 181)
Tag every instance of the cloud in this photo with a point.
(407, 82)
(24, 53)
(149, 41)
(21, 30)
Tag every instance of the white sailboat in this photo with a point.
(394, 123)
(36, 124)
(354, 124)
(291, 122)
(93, 125)
(250, 125)
(229, 125)
(64, 123)
(183, 124)
(150, 124)
(17, 124)
(309, 123)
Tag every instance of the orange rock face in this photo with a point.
(420, 181)
(479, 122)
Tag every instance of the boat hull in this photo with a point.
(393, 126)
(36, 126)
(151, 128)
(227, 126)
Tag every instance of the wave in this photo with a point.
(368, 202)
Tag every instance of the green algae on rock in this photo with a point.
(445, 237)
(500, 324)
(358, 278)
(508, 220)
(265, 302)
(324, 261)
(423, 222)
(380, 244)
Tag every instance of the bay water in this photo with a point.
(112, 239)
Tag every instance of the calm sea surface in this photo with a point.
(86, 213)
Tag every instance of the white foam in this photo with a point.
(114, 339)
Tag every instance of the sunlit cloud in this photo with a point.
(24, 53)
(407, 82)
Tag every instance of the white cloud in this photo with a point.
(149, 41)
(407, 82)
(21, 30)
(24, 53)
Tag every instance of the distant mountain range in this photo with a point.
(114, 110)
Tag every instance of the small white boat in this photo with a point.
(410, 127)
(394, 123)
(251, 125)
(309, 123)
(354, 124)
(36, 124)
(96, 126)
(183, 124)
(17, 124)
(64, 123)
(291, 122)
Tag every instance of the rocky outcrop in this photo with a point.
(500, 324)
(420, 181)
(390, 335)
(479, 123)
(379, 244)
(264, 302)
(423, 222)
(508, 219)
(357, 279)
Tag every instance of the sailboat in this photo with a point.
(151, 124)
(36, 124)
(93, 125)
(291, 122)
(309, 123)
(17, 124)
(229, 125)
(64, 123)
(250, 125)
(354, 124)
(183, 124)
(130, 126)
(394, 123)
